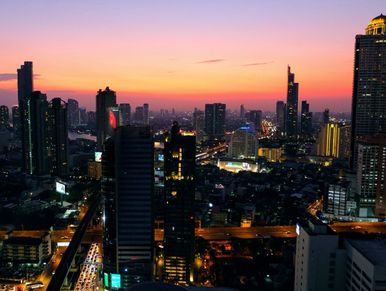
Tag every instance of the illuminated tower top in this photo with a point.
(377, 26)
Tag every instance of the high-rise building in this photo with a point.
(242, 111)
(104, 99)
(337, 197)
(345, 136)
(127, 186)
(255, 117)
(292, 106)
(371, 176)
(125, 113)
(198, 120)
(243, 143)
(215, 119)
(16, 118)
(326, 116)
(146, 114)
(24, 90)
(328, 141)
(328, 261)
(138, 115)
(306, 120)
(57, 137)
(4, 116)
(34, 135)
(280, 116)
(73, 113)
(369, 93)
(180, 152)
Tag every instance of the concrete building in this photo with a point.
(371, 176)
(280, 116)
(243, 143)
(328, 261)
(26, 250)
(104, 100)
(215, 120)
(292, 105)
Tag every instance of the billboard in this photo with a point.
(98, 156)
(60, 188)
(115, 281)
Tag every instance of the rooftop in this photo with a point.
(373, 250)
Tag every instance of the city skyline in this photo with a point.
(181, 52)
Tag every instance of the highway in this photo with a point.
(88, 277)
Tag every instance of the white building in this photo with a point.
(326, 261)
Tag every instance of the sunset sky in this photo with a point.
(182, 54)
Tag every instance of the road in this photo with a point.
(46, 275)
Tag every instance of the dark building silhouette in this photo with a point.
(306, 120)
(73, 113)
(35, 134)
(104, 99)
(125, 113)
(127, 186)
(179, 167)
(292, 106)
(215, 119)
(24, 90)
(280, 116)
(326, 116)
(146, 114)
(369, 93)
(57, 137)
(198, 120)
(255, 117)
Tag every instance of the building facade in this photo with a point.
(369, 93)
(328, 141)
(215, 120)
(127, 186)
(243, 144)
(104, 99)
(179, 169)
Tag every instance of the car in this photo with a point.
(228, 234)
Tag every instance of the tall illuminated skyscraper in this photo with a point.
(104, 99)
(24, 90)
(179, 167)
(127, 186)
(292, 106)
(369, 93)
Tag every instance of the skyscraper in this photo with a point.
(4, 116)
(35, 114)
(179, 153)
(198, 120)
(255, 117)
(73, 113)
(104, 100)
(125, 113)
(127, 186)
(292, 106)
(57, 137)
(242, 111)
(215, 119)
(306, 120)
(24, 90)
(146, 114)
(369, 93)
(371, 176)
(280, 116)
